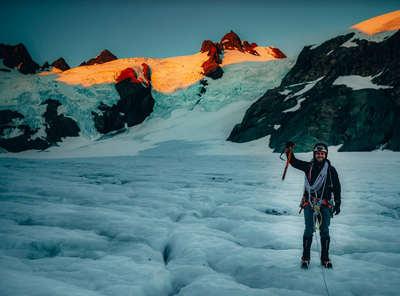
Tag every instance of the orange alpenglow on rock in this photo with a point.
(146, 74)
(128, 73)
(278, 53)
(250, 47)
(231, 41)
(212, 64)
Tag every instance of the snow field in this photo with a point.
(191, 225)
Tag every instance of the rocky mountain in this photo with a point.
(104, 57)
(344, 91)
(42, 110)
(320, 98)
(212, 66)
(61, 64)
(56, 127)
(135, 105)
(230, 41)
(18, 56)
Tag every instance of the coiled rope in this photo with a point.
(319, 182)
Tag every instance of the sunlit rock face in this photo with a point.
(208, 45)
(230, 42)
(250, 48)
(136, 101)
(211, 66)
(277, 53)
(135, 105)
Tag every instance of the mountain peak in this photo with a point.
(18, 56)
(231, 41)
(61, 64)
(104, 57)
(383, 23)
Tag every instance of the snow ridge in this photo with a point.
(383, 23)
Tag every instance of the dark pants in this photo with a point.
(309, 221)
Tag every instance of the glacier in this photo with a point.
(163, 224)
(243, 81)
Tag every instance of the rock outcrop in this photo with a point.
(278, 53)
(208, 45)
(104, 57)
(57, 125)
(313, 105)
(211, 67)
(17, 137)
(231, 41)
(135, 105)
(250, 48)
(45, 66)
(18, 56)
(136, 101)
(61, 64)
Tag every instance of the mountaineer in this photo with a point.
(320, 201)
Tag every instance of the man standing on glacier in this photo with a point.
(321, 182)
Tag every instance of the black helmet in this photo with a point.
(321, 147)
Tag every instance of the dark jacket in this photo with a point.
(332, 180)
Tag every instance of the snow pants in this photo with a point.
(309, 220)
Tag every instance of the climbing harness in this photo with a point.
(314, 200)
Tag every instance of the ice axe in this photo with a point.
(288, 158)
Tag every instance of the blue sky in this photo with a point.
(80, 30)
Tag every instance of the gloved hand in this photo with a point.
(336, 208)
(289, 144)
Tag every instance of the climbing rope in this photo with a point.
(317, 212)
(319, 182)
(317, 225)
(322, 268)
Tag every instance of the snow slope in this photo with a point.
(376, 29)
(168, 75)
(379, 24)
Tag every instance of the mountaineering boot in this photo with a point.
(305, 259)
(325, 261)
(305, 263)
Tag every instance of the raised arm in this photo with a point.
(299, 164)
